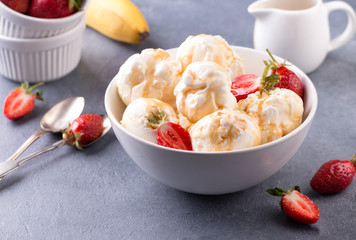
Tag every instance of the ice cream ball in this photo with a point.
(203, 89)
(140, 113)
(279, 112)
(225, 130)
(204, 47)
(149, 74)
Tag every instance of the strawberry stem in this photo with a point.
(266, 70)
(267, 83)
(353, 160)
(274, 63)
(74, 3)
(28, 90)
(38, 93)
(33, 86)
(271, 56)
(157, 119)
(279, 192)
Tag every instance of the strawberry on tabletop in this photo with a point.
(53, 8)
(21, 101)
(20, 6)
(296, 205)
(334, 176)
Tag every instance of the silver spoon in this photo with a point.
(8, 166)
(55, 120)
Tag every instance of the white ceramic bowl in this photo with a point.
(217, 172)
(18, 25)
(41, 60)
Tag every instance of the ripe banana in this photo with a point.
(117, 19)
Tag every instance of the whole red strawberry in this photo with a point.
(334, 176)
(53, 8)
(84, 130)
(20, 6)
(21, 101)
(296, 205)
(288, 78)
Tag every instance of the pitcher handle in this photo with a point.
(350, 29)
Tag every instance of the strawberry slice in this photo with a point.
(244, 85)
(296, 205)
(174, 136)
(21, 101)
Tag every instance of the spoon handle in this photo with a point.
(36, 135)
(10, 165)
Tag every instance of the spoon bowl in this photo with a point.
(62, 114)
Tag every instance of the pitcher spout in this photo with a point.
(263, 7)
(260, 9)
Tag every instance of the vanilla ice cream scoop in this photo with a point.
(137, 114)
(225, 130)
(151, 74)
(202, 48)
(278, 113)
(203, 89)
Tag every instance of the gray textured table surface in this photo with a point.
(100, 193)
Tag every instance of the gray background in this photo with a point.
(100, 193)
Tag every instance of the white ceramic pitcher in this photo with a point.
(298, 30)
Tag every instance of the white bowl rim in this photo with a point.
(304, 124)
(47, 39)
(38, 20)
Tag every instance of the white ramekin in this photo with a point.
(18, 25)
(43, 59)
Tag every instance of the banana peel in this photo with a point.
(120, 20)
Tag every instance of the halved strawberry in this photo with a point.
(296, 205)
(174, 136)
(21, 101)
(244, 85)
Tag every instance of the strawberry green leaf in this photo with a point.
(296, 188)
(157, 119)
(74, 4)
(279, 192)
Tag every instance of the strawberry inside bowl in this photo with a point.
(214, 172)
(52, 21)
